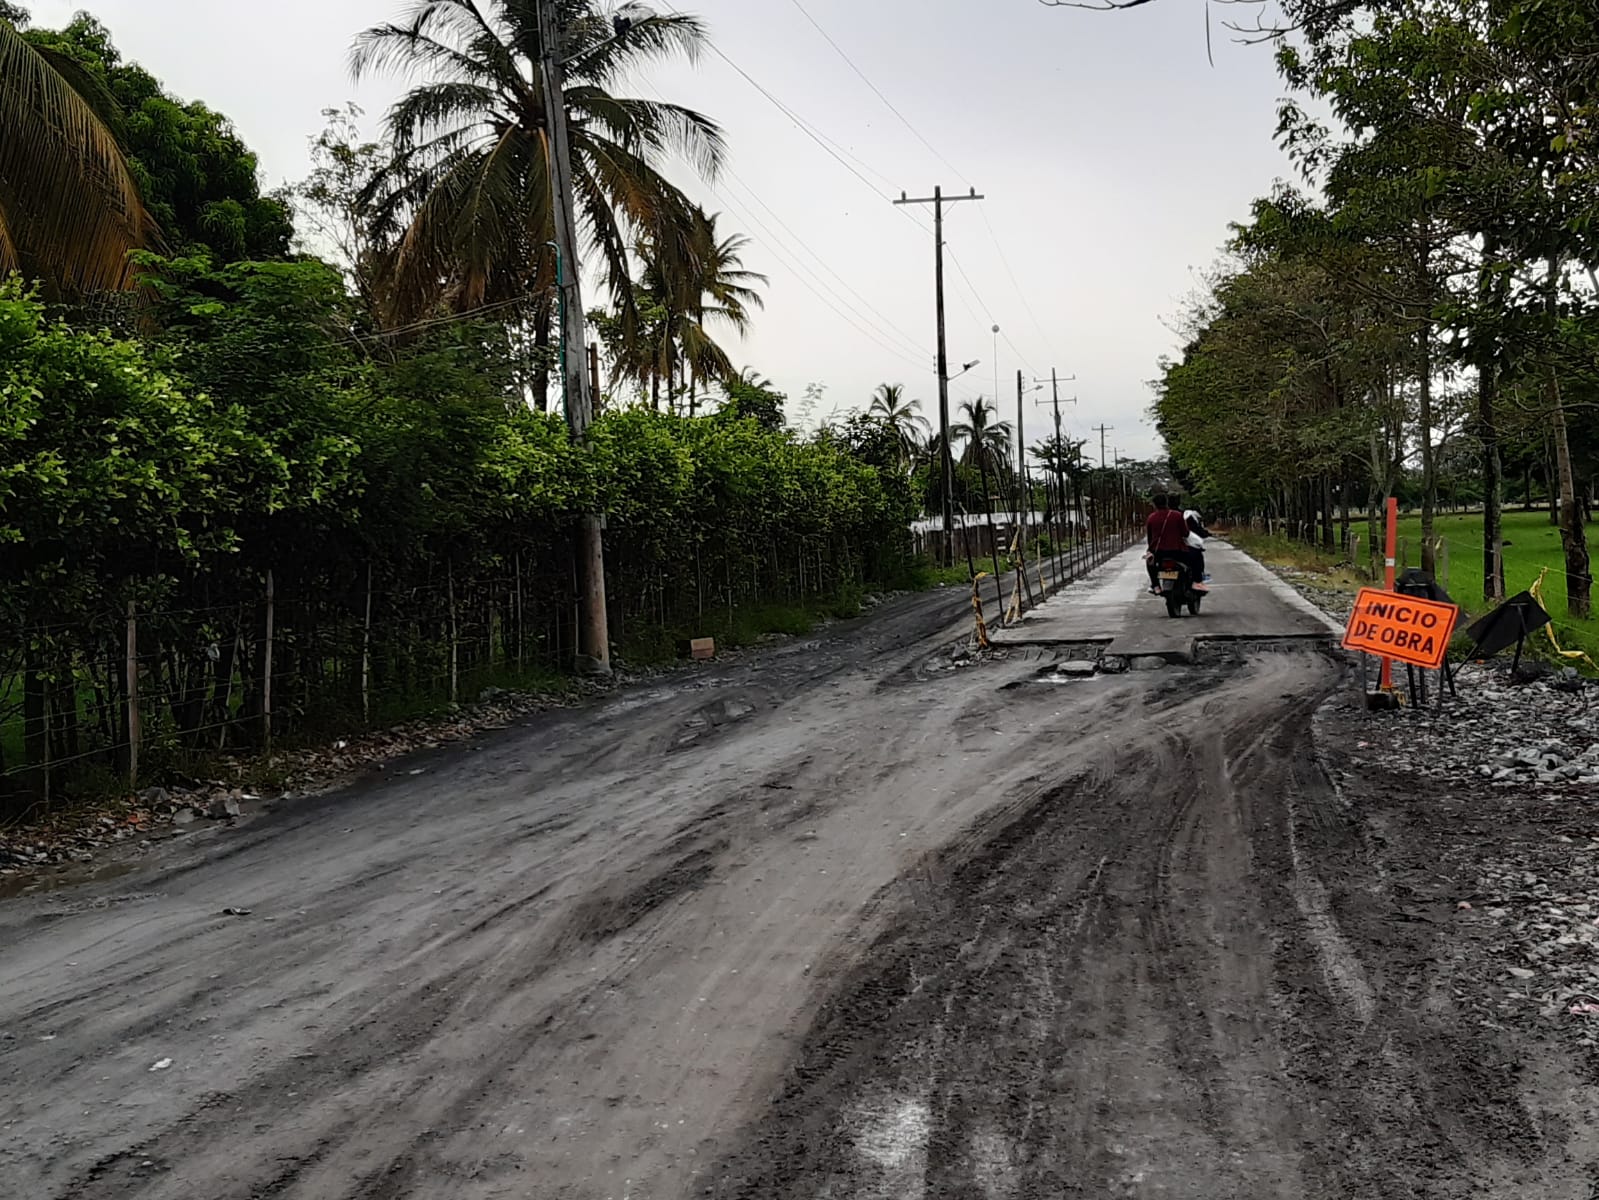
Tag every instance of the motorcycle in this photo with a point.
(1177, 588)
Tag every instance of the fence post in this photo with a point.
(521, 630)
(366, 653)
(236, 665)
(449, 577)
(266, 672)
(134, 730)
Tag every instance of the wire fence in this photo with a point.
(132, 697)
(150, 693)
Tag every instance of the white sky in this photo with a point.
(1112, 156)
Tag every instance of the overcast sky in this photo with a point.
(1111, 153)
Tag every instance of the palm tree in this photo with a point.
(699, 280)
(902, 416)
(987, 441)
(751, 377)
(466, 200)
(69, 206)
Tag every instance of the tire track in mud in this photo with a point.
(1046, 1025)
(1122, 991)
(465, 997)
(1425, 1105)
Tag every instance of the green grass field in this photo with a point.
(1531, 543)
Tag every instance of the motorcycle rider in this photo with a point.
(1167, 531)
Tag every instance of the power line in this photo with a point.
(889, 104)
(429, 322)
(933, 150)
(838, 305)
(909, 338)
(888, 332)
(799, 123)
(1014, 282)
(976, 295)
(843, 157)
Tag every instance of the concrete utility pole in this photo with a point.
(938, 200)
(594, 640)
(1022, 490)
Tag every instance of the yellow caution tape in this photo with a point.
(1014, 612)
(977, 609)
(1536, 591)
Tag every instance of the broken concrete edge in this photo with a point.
(1083, 660)
(1097, 647)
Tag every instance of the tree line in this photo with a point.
(272, 464)
(1422, 315)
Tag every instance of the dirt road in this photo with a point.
(842, 920)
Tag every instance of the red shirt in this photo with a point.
(1167, 531)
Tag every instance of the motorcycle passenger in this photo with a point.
(1168, 538)
(1197, 534)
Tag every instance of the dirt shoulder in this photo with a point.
(103, 838)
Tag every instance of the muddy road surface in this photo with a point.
(842, 920)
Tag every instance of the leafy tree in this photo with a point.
(70, 208)
(752, 396)
(328, 202)
(198, 180)
(113, 468)
(273, 340)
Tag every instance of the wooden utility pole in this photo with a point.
(938, 200)
(594, 641)
(1103, 430)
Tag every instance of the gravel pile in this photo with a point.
(1504, 732)
(1336, 602)
(1524, 758)
(1523, 755)
(1543, 925)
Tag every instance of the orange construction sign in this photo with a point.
(1403, 628)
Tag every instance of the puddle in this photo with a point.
(40, 884)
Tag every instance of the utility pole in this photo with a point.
(938, 200)
(1103, 430)
(1060, 469)
(1023, 492)
(594, 640)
